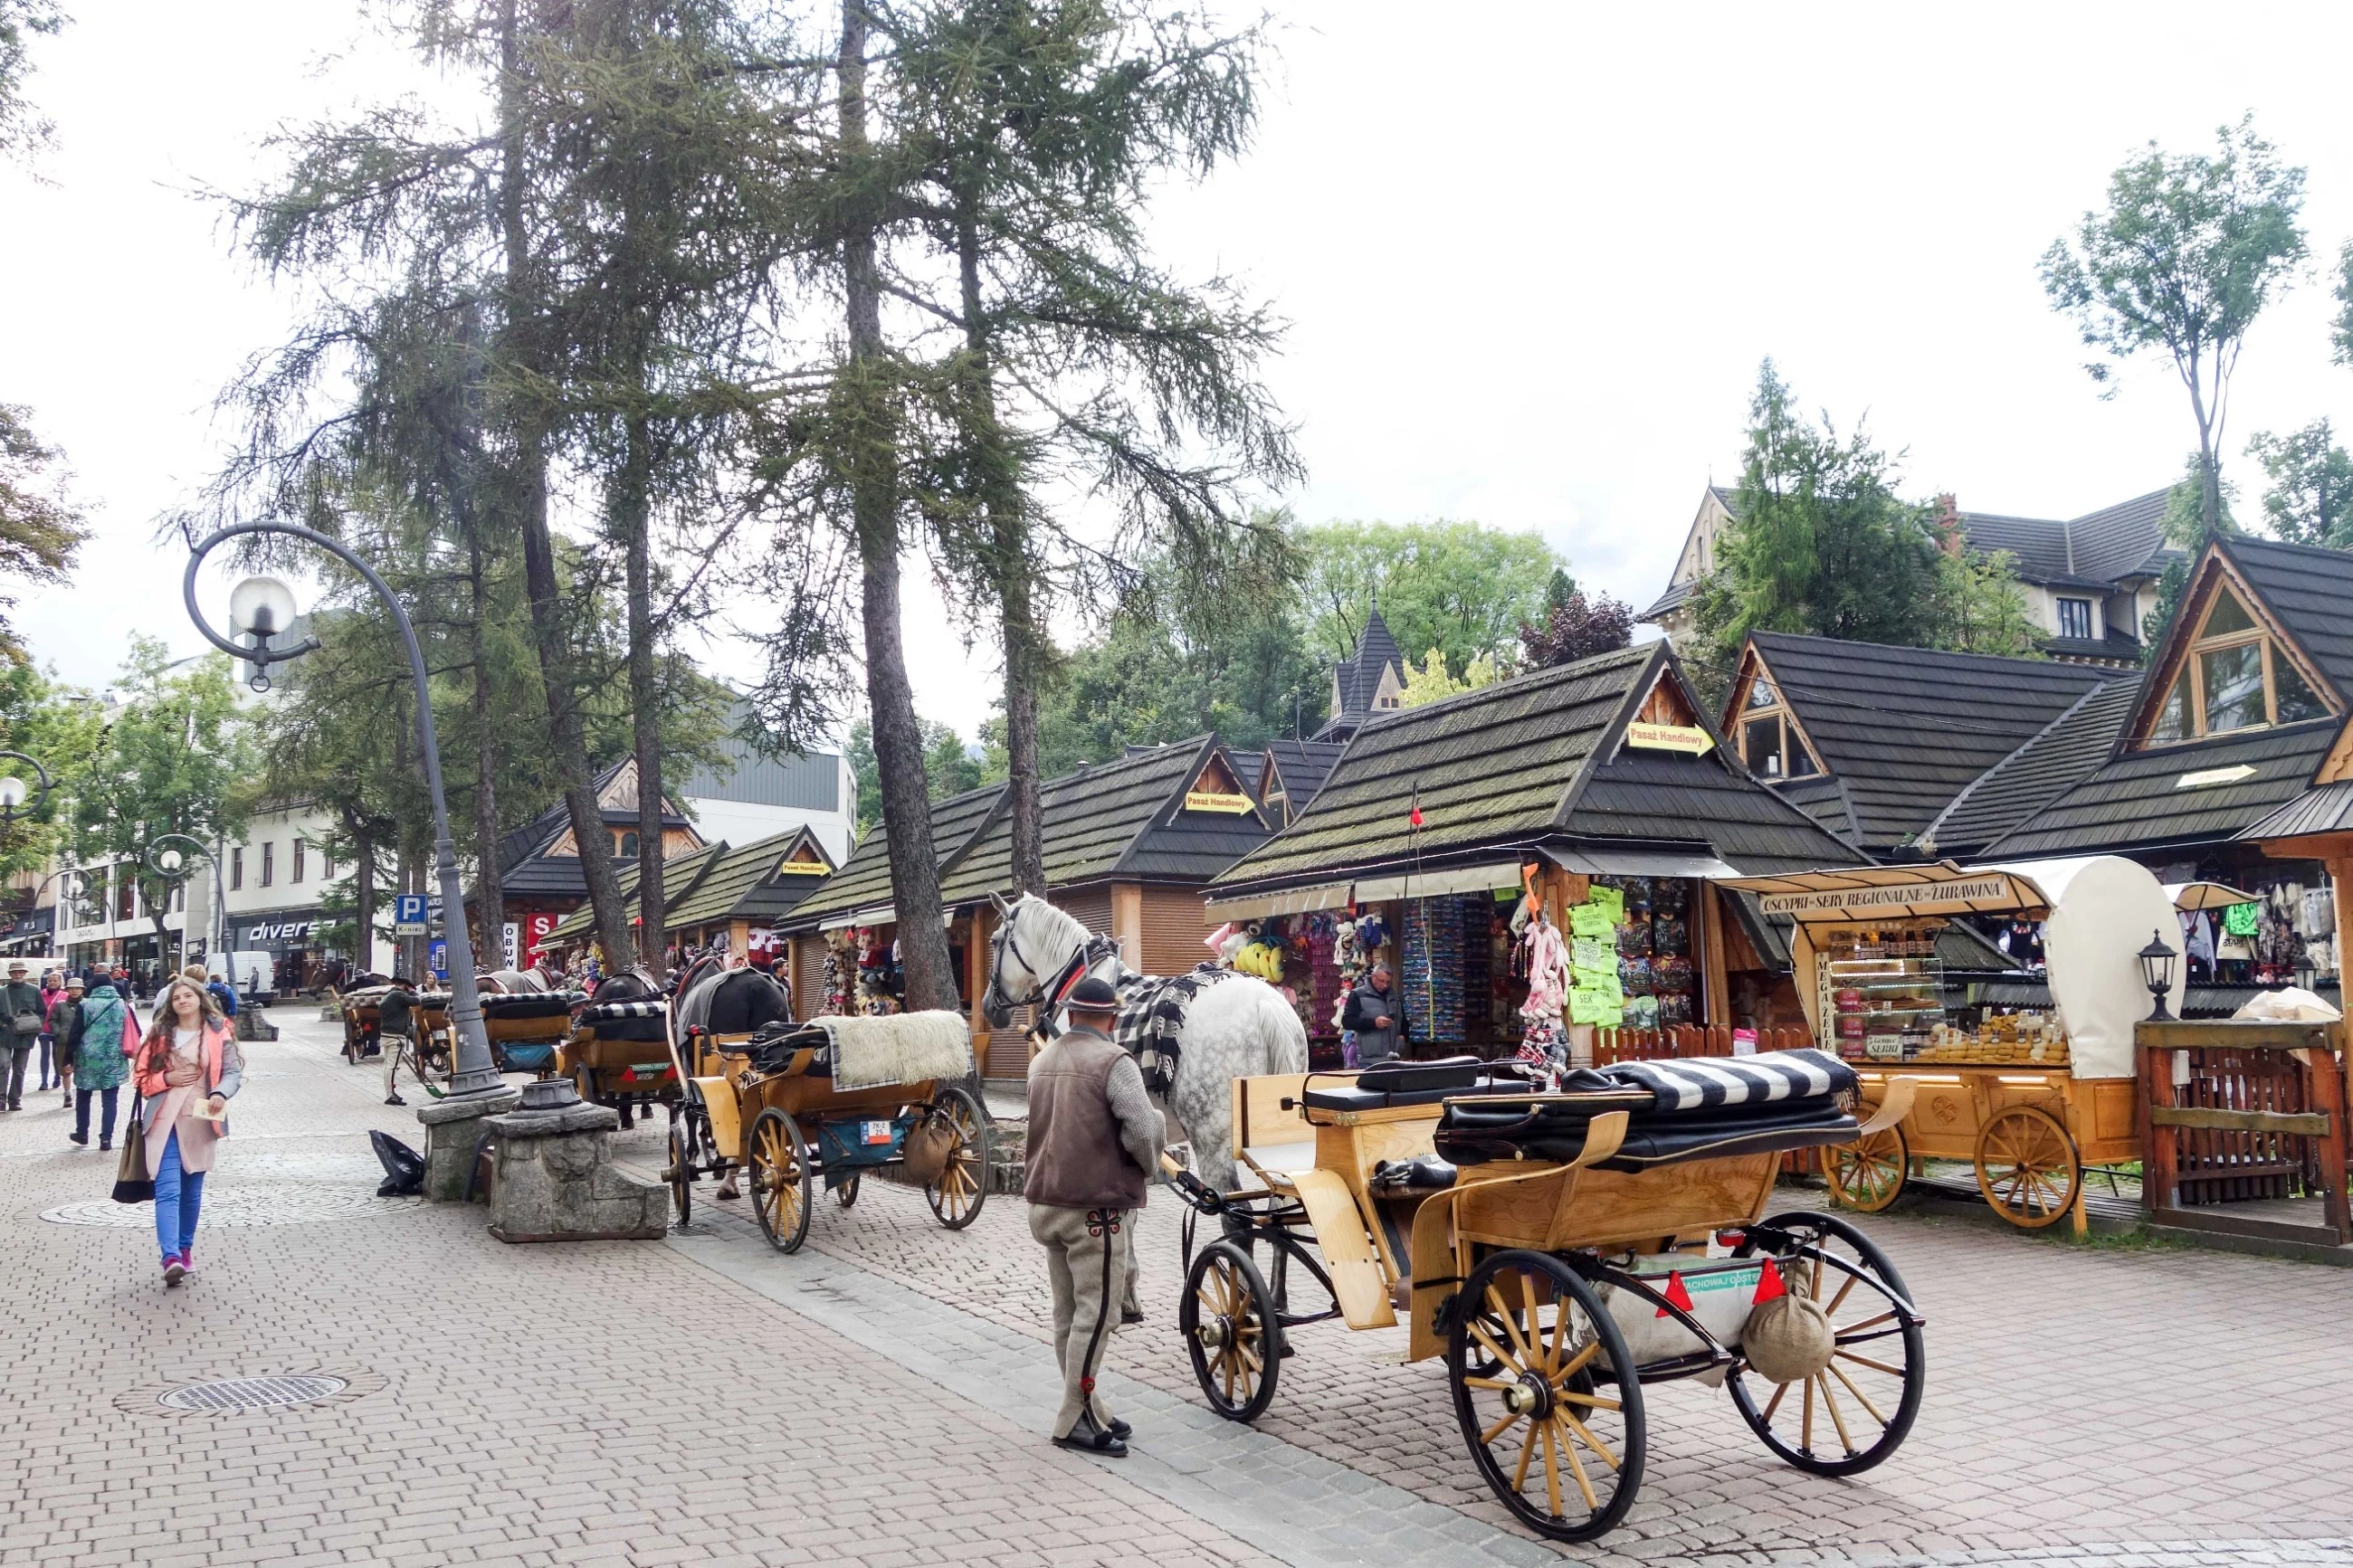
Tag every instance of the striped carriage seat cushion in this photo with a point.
(526, 1004)
(1708, 1083)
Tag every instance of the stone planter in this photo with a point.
(556, 1180)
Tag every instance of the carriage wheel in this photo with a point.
(432, 1063)
(1227, 1321)
(681, 1172)
(1556, 1434)
(1856, 1412)
(781, 1180)
(846, 1195)
(2026, 1167)
(1868, 1174)
(962, 1185)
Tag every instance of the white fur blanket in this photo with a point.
(905, 1048)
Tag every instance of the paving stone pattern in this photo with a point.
(879, 1399)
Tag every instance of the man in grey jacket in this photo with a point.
(1094, 1142)
(20, 1017)
(1374, 1012)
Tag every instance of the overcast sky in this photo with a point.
(1530, 268)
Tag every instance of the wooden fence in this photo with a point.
(2235, 1112)
(1611, 1045)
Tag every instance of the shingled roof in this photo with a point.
(1531, 760)
(1123, 820)
(681, 876)
(864, 880)
(745, 883)
(2310, 592)
(1297, 769)
(527, 870)
(2176, 795)
(2070, 749)
(1119, 821)
(1906, 730)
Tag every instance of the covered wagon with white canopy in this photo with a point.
(2028, 1098)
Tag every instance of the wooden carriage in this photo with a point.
(1555, 1287)
(774, 1107)
(363, 1017)
(2028, 1107)
(619, 1054)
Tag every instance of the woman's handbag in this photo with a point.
(133, 1181)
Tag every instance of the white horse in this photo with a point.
(1238, 1027)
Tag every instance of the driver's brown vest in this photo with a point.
(1075, 1158)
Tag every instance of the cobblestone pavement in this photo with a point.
(878, 1398)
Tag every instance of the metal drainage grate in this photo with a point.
(247, 1394)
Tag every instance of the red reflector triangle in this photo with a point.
(1768, 1284)
(1675, 1295)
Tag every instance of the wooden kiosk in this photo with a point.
(2027, 1098)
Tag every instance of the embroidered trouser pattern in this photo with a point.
(1086, 1263)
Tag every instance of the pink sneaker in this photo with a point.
(175, 1269)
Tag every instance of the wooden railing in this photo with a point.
(2234, 1112)
(1685, 1040)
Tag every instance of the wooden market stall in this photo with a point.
(2028, 1098)
(718, 891)
(1600, 786)
(1127, 844)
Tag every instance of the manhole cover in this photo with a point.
(235, 1393)
(240, 1208)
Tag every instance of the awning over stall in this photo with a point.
(1290, 902)
(1438, 884)
(1597, 861)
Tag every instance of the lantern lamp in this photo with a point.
(2157, 973)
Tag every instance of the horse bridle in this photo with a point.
(998, 1004)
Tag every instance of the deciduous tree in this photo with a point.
(2310, 499)
(2185, 256)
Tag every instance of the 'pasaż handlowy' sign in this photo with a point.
(1689, 739)
(1901, 898)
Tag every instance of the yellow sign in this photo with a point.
(1203, 800)
(800, 867)
(1688, 739)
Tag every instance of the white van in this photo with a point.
(255, 976)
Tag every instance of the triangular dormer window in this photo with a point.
(1772, 745)
(2234, 676)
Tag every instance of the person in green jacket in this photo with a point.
(20, 1031)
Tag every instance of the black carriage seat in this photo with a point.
(1698, 1107)
(773, 1047)
(1414, 1178)
(634, 1020)
(1410, 1083)
(528, 1004)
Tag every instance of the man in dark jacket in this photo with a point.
(396, 1028)
(1094, 1142)
(20, 1030)
(1374, 1012)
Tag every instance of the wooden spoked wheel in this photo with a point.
(681, 1172)
(1558, 1437)
(781, 1180)
(1855, 1412)
(962, 1185)
(846, 1195)
(1228, 1319)
(2026, 1167)
(1868, 1174)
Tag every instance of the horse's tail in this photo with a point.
(1284, 1037)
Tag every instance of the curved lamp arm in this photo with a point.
(476, 1073)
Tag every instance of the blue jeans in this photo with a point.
(178, 1196)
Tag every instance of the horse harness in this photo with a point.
(1151, 1017)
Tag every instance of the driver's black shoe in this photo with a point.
(1085, 1437)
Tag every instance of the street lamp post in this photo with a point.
(262, 608)
(168, 857)
(14, 794)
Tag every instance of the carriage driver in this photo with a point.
(1094, 1140)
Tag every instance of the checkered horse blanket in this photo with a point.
(1695, 1083)
(1151, 1019)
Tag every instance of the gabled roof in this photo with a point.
(2070, 749)
(1534, 758)
(1906, 730)
(527, 869)
(1122, 820)
(864, 880)
(680, 875)
(2324, 808)
(745, 883)
(2310, 591)
(1118, 821)
(2094, 550)
(2156, 798)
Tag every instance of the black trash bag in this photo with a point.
(404, 1167)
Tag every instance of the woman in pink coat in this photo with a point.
(188, 1070)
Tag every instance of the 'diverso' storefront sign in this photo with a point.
(276, 935)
